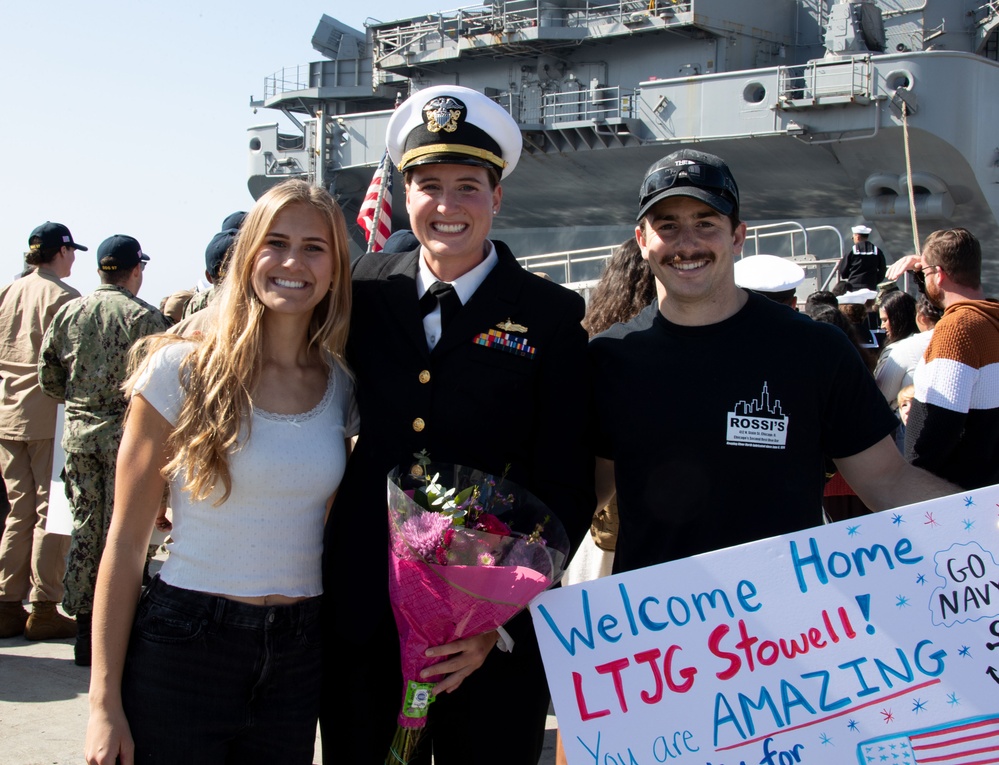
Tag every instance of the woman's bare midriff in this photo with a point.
(262, 600)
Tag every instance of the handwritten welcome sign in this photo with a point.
(872, 641)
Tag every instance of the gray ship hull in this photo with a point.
(833, 139)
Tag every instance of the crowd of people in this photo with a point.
(260, 428)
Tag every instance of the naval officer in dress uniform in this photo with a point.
(424, 382)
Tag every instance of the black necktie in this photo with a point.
(443, 294)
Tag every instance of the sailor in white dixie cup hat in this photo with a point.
(864, 265)
(461, 352)
(772, 277)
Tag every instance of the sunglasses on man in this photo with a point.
(701, 176)
(919, 277)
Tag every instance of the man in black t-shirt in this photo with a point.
(715, 420)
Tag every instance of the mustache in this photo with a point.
(677, 258)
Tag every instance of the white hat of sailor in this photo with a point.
(768, 273)
(861, 229)
(449, 124)
(857, 296)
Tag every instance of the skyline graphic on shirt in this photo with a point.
(760, 405)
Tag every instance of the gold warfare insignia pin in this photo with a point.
(443, 113)
(509, 326)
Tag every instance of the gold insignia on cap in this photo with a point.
(443, 114)
(451, 148)
(509, 326)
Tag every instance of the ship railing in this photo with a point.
(445, 28)
(987, 12)
(286, 80)
(826, 82)
(792, 240)
(586, 104)
(435, 31)
(623, 11)
(593, 104)
(579, 270)
(817, 249)
(351, 72)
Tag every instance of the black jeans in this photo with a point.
(211, 680)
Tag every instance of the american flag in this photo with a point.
(973, 741)
(369, 208)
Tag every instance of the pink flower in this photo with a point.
(490, 523)
(424, 532)
(441, 552)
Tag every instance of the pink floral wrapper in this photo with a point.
(448, 581)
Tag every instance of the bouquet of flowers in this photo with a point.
(468, 551)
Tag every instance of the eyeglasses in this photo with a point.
(142, 265)
(919, 277)
(702, 176)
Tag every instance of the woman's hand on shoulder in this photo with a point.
(109, 739)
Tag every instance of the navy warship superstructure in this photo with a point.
(829, 113)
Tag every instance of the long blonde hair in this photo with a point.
(218, 375)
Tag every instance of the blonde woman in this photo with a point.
(218, 661)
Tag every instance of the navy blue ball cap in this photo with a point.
(120, 253)
(402, 240)
(52, 236)
(217, 251)
(690, 173)
(233, 220)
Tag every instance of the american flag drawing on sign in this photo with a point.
(968, 742)
(379, 191)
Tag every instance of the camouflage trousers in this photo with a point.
(89, 482)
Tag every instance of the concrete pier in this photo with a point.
(44, 705)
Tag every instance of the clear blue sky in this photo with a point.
(130, 117)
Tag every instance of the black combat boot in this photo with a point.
(81, 651)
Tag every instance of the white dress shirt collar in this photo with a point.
(465, 285)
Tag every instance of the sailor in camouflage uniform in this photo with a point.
(83, 360)
(199, 301)
(216, 259)
(195, 317)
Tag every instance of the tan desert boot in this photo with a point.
(46, 623)
(13, 617)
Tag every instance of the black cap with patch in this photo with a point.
(217, 251)
(120, 252)
(690, 173)
(52, 236)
